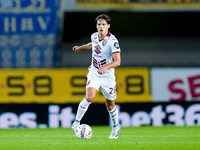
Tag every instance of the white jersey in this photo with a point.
(102, 52)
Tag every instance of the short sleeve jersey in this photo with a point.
(102, 52)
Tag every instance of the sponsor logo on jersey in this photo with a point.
(116, 45)
(97, 49)
(98, 64)
(97, 55)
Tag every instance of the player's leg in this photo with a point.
(92, 86)
(113, 111)
(108, 87)
(83, 106)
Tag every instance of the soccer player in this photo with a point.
(105, 57)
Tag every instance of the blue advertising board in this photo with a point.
(28, 33)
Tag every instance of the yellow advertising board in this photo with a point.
(140, 3)
(68, 86)
(133, 85)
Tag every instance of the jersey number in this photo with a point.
(112, 91)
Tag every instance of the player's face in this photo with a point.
(102, 26)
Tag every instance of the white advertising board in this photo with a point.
(175, 84)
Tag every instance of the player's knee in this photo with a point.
(110, 106)
(90, 98)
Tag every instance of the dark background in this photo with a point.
(147, 39)
(133, 24)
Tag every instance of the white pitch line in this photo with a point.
(163, 142)
(37, 136)
(162, 135)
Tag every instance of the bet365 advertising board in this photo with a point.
(130, 114)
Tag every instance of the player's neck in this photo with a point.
(102, 36)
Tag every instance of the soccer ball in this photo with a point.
(84, 131)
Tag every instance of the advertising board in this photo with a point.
(28, 33)
(68, 85)
(130, 115)
(175, 84)
(172, 4)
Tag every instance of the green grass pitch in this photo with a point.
(130, 138)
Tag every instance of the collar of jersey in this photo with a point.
(108, 35)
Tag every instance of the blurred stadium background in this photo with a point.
(42, 80)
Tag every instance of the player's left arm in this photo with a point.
(115, 63)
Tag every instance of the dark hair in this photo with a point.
(105, 17)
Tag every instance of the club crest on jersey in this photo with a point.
(104, 42)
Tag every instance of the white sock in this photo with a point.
(82, 108)
(114, 116)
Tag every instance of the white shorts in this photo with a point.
(107, 84)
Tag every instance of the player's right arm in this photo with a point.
(82, 47)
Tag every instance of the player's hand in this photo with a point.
(76, 48)
(102, 70)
